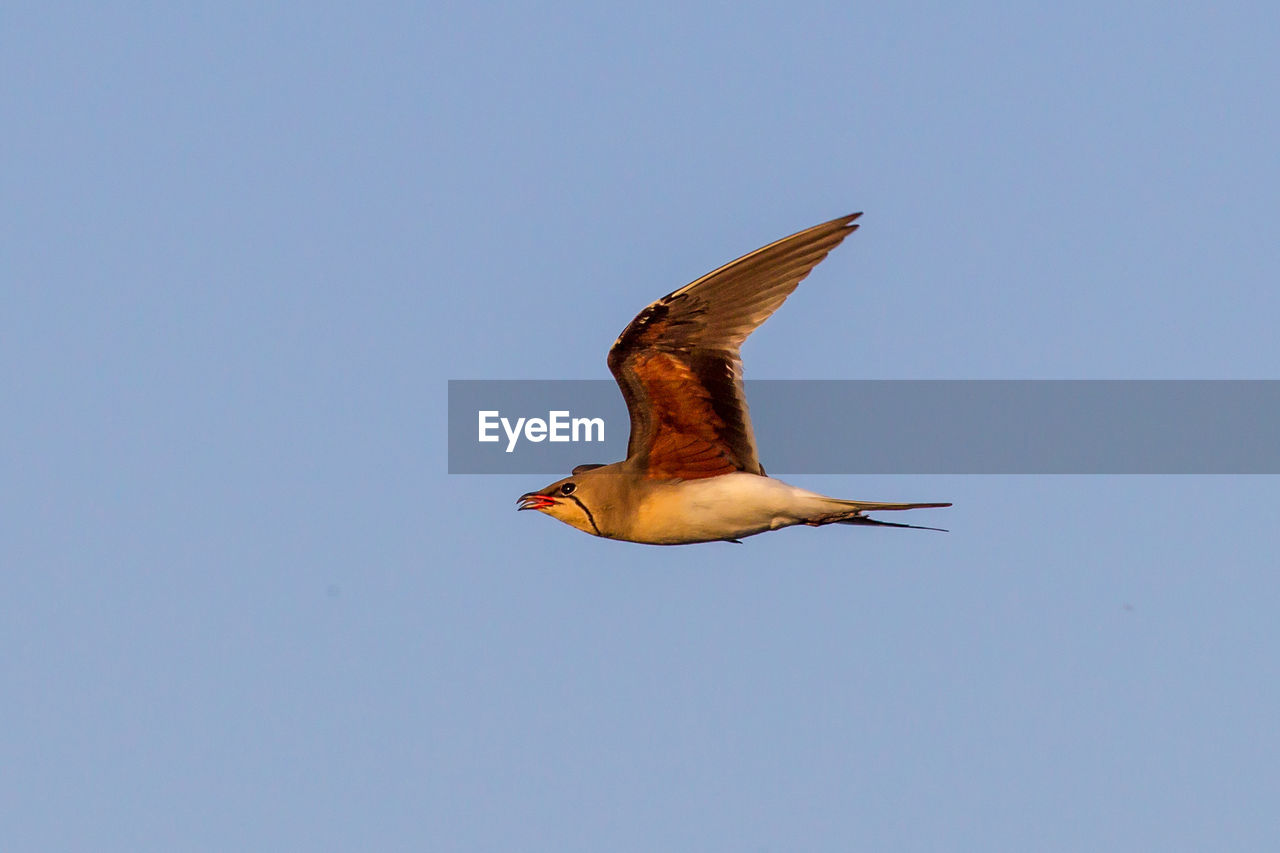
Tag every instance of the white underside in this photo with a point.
(726, 507)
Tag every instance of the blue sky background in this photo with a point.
(244, 608)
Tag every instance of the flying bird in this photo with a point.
(692, 473)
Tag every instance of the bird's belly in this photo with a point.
(730, 506)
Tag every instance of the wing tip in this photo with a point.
(842, 225)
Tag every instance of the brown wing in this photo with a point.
(678, 363)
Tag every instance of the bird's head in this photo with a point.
(579, 500)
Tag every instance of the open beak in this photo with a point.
(535, 501)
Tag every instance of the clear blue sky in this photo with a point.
(244, 246)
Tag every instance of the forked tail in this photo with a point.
(851, 512)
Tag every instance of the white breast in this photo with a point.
(726, 507)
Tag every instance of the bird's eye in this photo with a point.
(567, 489)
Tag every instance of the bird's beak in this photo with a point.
(535, 501)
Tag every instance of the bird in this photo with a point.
(692, 473)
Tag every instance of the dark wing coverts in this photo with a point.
(678, 363)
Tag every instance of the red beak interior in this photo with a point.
(532, 501)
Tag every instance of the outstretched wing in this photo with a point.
(678, 362)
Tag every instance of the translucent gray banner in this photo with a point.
(899, 426)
